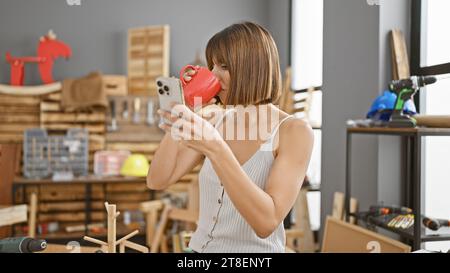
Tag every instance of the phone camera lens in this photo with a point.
(159, 83)
(161, 91)
(166, 88)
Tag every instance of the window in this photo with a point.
(306, 63)
(432, 43)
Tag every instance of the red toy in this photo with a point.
(48, 50)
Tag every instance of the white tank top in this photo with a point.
(221, 228)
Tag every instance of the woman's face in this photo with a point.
(222, 74)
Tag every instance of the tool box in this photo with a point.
(58, 155)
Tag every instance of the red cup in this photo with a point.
(203, 84)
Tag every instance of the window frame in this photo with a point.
(416, 45)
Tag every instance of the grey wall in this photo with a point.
(357, 67)
(278, 25)
(350, 83)
(97, 30)
(393, 14)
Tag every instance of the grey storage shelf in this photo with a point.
(443, 234)
(412, 183)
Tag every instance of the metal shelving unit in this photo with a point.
(412, 182)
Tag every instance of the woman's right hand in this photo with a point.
(187, 76)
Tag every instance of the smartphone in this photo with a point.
(170, 91)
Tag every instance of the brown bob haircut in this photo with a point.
(251, 56)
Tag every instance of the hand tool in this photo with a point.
(137, 110)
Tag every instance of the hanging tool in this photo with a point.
(137, 110)
(125, 110)
(150, 112)
(113, 126)
(405, 90)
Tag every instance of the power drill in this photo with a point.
(405, 90)
(22, 245)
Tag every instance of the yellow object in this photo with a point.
(135, 165)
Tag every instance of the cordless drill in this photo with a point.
(405, 90)
(22, 245)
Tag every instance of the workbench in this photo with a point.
(412, 182)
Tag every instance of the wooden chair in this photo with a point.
(291, 103)
(158, 214)
(300, 237)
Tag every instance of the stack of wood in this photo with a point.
(18, 113)
(63, 204)
(148, 58)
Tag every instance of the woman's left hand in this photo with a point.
(191, 129)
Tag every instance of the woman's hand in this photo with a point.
(193, 130)
(187, 76)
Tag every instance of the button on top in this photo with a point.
(220, 201)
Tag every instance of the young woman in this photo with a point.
(248, 182)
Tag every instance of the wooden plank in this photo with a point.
(70, 216)
(128, 187)
(338, 205)
(92, 128)
(32, 217)
(400, 57)
(20, 101)
(69, 206)
(53, 97)
(17, 127)
(5, 109)
(49, 117)
(121, 197)
(15, 118)
(13, 215)
(50, 106)
(353, 209)
(135, 246)
(69, 196)
(434, 121)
